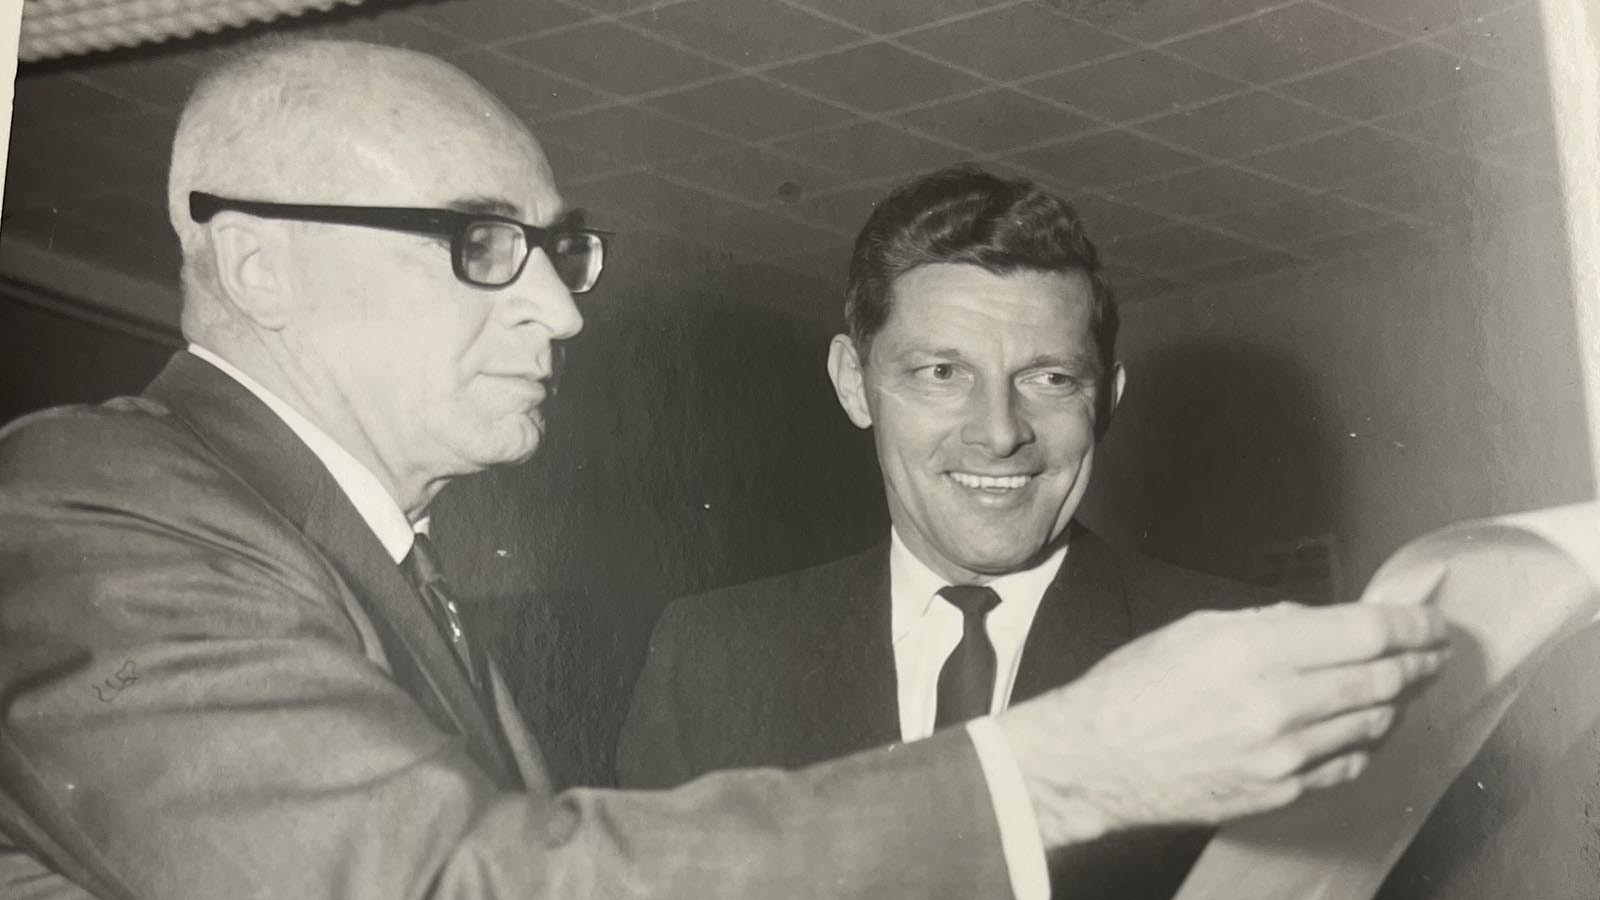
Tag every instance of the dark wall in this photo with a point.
(1372, 400)
(51, 355)
(694, 441)
(1217, 447)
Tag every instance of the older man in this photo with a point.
(230, 667)
(981, 355)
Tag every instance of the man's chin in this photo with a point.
(1007, 556)
(996, 566)
(518, 444)
(528, 448)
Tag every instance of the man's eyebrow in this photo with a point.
(1065, 360)
(569, 218)
(914, 352)
(488, 206)
(1086, 363)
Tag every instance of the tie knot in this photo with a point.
(974, 600)
(422, 562)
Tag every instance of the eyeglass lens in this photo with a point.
(492, 254)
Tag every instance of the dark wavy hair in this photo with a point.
(963, 214)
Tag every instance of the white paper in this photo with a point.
(1512, 588)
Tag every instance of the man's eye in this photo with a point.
(477, 248)
(938, 373)
(1054, 380)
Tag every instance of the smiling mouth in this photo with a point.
(993, 484)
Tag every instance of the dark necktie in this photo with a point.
(966, 683)
(421, 566)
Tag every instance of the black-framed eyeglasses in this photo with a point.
(486, 250)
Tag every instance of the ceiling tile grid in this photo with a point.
(1202, 141)
(1207, 192)
(1015, 42)
(747, 33)
(1134, 86)
(1240, 124)
(1283, 42)
(615, 59)
(996, 120)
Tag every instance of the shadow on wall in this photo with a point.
(694, 442)
(1217, 449)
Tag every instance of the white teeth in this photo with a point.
(990, 482)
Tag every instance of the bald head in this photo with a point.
(331, 122)
(368, 327)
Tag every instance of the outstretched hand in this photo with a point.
(1220, 715)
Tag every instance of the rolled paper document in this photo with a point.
(1513, 589)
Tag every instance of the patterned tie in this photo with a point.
(966, 683)
(422, 568)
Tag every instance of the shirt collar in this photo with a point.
(374, 504)
(913, 586)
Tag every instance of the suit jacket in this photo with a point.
(800, 667)
(215, 683)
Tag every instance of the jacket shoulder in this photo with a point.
(772, 602)
(800, 582)
(1159, 592)
(770, 624)
(106, 436)
(87, 487)
(130, 453)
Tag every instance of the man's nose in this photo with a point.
(998, 422)
(540, 297)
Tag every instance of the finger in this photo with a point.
(1354, 632)
(1327, 692)
(1340, 735)
(1306, 748)
(1284, 789)
(1336, 771)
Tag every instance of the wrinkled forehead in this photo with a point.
(959, 296)
(961, 308)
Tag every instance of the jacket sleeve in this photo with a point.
(186, 708)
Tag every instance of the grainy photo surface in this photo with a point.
(776, 448)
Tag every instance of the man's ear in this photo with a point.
(1114, 384)
(247, 259)
(849, 382)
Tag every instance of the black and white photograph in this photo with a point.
(765, 449)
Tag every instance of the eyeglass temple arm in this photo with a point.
(203, 206)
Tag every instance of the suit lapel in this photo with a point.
(335, 526)
(1082, 617)
(290, 478)
(525, 752)
(851, 683)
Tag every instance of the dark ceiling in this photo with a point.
(1204, 142)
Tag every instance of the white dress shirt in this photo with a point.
(1019, 830)
(377, 507)
(925, 628)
